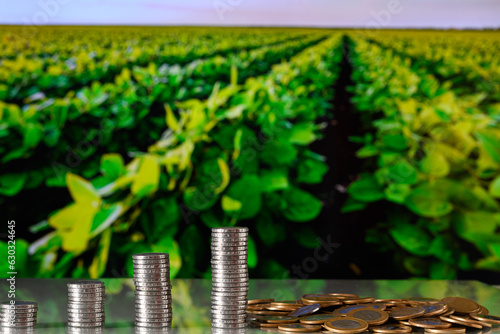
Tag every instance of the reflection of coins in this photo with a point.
(446, 330)
(372, 316)
(305, 310)
(429, 323)
(462, 305)
(317, 319)
(346, 325)
(486, 317)
(299, 328)
(391, 328)
(407, 313)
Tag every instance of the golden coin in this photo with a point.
(483, 310)
(407, 313)
(287, 303)
(317, 319)
(391, 328)
(434, 309)
(388, 302)
(260, 301)
(305, 310)
(342, 311)
(372, 316)
(268, 313)
(346, 325)
(460, 322)
(259, 324)
(449, 312)
(462, 305)
(378, 306)
(278, 319)
(446, 330)
(429, 323)
(486, 317)
(421, 300)
(342, 296)
(359, 300)
(282, 308)
(323, 300)
(404, 322)
(299, 328)
(256, 307)
(469, 319)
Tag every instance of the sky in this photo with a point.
(315, 13)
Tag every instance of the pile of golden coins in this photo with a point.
(351, 314)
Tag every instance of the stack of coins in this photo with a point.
(86, 304)
(18, 314)
(229, 277)
(153, 298)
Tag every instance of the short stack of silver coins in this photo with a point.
(229, 277)
(153, 296)
(86, 304)
(18, 314)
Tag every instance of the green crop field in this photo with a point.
(118, 140)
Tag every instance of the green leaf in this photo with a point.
(82, 191)
(435, 164)
(168, 245)
(277, 153)
(306, 237)
(105, 217)
(252, 253)
(402, 172)
(301, 205)
(351, 205)
(302, 133)
(98, 265)
(33, 133)
(397, 193)
(112, 166)
(275, 179)
(366, 189)
(231, 206)
(170, 119)
(270, 231)
(148, 177)
(443, 248)
(191, 256)
(495, 187)
(199, 199)
(76, 237)
(412, 238)
(311, 171)
(11, 184)
(395, 142)
(442, 271)
(367, 151)
(427, 200)
(490, 144)
(247, 191)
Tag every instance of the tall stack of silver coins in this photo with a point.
(18, 314)
(86, 304)
(229, 277)
(153, 297)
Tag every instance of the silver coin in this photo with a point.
(85, 330)
(226, 298)
(216, 316)
(85, 305)
(225, 263)
(23, 311)
(101, 319)
(216, 302)
(150, 298)
(151, 280)
(153, 293)
(233, 312)
(153, 315)
(216, 252)
(151, 271)
(85, 324)
(149, 277)
(86, 315)
(151, 266)
(227, 244)
(227, 309)
(85, 284)
(229, 281)
(230, 289)
(142, 319)
(18, 325)
(85, 310)
(230, 267)
(150, 256)
(154, 311)
(153, 324)
(87, 291)
(18, 304)
(147, 310)
(85, 299)
(228, 323)
(18, 319)
(226, 274)
(220, 238)
(86, 294)
(145, 288)
(151, 302)
(229, 257)
(150, 262)
(229, 229)
(224, 249)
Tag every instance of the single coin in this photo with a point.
(459, 322)
(87, 290)
(286, 303)
(358, 300)
(87, 305)
(149, 310)
(323, 300)
(18, 304)
(317, 319)
(85, 310)
(86, 315)
(434, 309)
(469, 319)
(407, 313)
(483, 310)
(72, 319)
(279, 319)
(151, 266)
(259, 324)
(429, 323)
(342, 311)
(150, 256)
(282, 308)
(446, 330)
(421, 300)
(85, 324)
(371, 315)
(85, 299)
(346, 325)
(299, 328)
(344, 295)
(305, 310)
(260, 301)
(450, 311)
(462, 305)
(153, 324)
(85, 284)
(16, 318)
(268, 313)
(231, 229)
(486, 317)
(229, 326)
(150, 262)
(152, 271)
(391, 328)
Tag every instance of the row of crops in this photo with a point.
(158, 134)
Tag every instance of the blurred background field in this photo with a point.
(348, 153)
